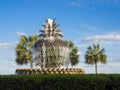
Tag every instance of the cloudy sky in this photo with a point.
(83, 21)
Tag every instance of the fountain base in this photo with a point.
(50, 71)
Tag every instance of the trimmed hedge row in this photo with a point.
(60, 82)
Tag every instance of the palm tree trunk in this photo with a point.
(96, 67)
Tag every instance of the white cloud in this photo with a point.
(21, 33)
(88, 3)
(91, 28)
(114, 59)
(116, 1)
(9, 46)
(102, 68)
(106, 1)
(4, 45)
(104, 38)
(76, 4)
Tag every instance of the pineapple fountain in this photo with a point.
(51, 52)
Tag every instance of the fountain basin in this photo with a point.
(49, 71)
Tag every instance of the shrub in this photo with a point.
(60, 82)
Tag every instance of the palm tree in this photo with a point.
(74, 56)
(22, 57)
(31, 41)
(94, 55)
(24, 49)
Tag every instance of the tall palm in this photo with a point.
(24, 49)
(22, 57)
(31, 41)
(94, 55)
(73, 55)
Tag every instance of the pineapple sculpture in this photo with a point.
(51, 51)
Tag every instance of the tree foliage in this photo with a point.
(94, 55)
(74, 56)
(24, 49)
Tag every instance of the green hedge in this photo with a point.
(60, 82)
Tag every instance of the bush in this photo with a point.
(60, 82)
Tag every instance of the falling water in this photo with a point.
(51, 51)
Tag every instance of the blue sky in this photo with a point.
(83, 21)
